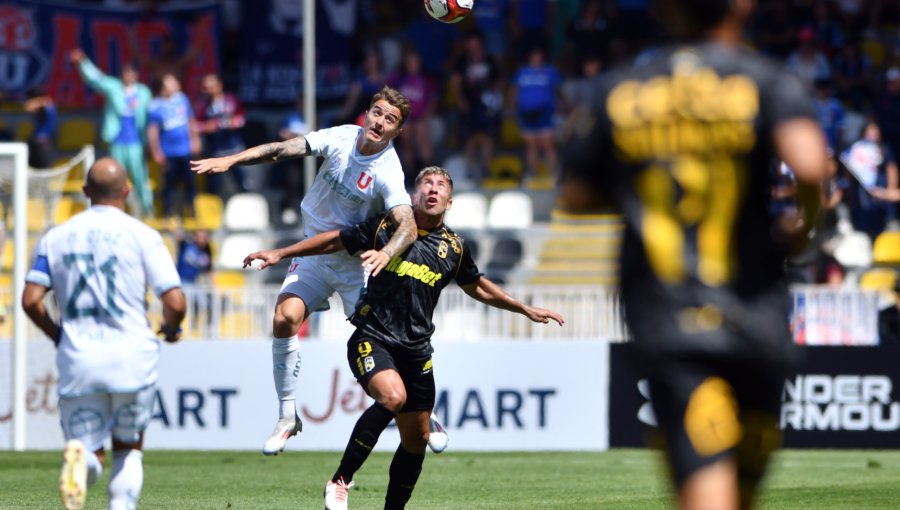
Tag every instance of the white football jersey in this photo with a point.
(350, 187)
(99, 265)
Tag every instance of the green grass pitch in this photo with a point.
(620, 479)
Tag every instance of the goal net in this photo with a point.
(31, 201)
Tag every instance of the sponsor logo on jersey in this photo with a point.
(341, 190)
(369, 363)
(442, 249)
(427, 366)
(420, 272)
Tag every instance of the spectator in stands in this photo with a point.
(535, 89)
(531, 22)
(292, 182)
(589, 33)
(369, 81)
(829, 35)
(422, 92)
(194, 259)
(491, 19)
(853, 79)
(775, 34)
(220, 117)
(173, 137)
(874, 168)
(475, 85)
(42, 141)
(124, 121)
(889, 320)
(807, 62)
(580, 94)
(831, 114)
(887, 109)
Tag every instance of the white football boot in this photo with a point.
(336, 494)
(437, 436)
(285, 428)
(74, 474)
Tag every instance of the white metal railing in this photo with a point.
(820, 315)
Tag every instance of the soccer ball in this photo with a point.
(449, 11)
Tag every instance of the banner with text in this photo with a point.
(36, 38)
(218, 395)
(841, 397)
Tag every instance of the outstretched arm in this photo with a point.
(405, 235)
(491, 294)
(266, 153)
(326, 242)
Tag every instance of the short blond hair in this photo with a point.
(434, 170)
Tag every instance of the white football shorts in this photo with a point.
(91, 418)
(315, 279)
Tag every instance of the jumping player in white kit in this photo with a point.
(360, 177)
(99, 265)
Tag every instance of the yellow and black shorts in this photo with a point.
(367, 356)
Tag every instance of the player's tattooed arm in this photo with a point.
(405, 235)
(270, 152)
(266, 153)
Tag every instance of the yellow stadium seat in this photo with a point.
(66, 208)
(505, 167)
(229, 279)
(208, 209)
(76, 133)
(509, 133)
(23, 130)
(886, 249)
(879, 278)
(6, 259)
(874, 49)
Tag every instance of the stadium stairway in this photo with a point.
(580, 249)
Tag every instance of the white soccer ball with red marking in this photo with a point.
(449, 11)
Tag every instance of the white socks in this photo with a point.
(126, 479)
(94, 468)
(286, 371)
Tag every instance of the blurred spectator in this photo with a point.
(853, 79)
(775, 34)
(435, 41)
(475, 85)
(491, 19)
(42, 141)
(220, 117)
(588, 33)
(580, 95)
(421, 90)
(829, 35)
(889, 321)
(292, 186)
(888, 109)
(784, 189)
(535, 89)
(807, 62)
(124, 121)
(872, 164)
(369, 81)
(831, 114)
(172, 133)
(531, 22)
(169, 60)
(194, 260)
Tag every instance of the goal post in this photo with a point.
(20, 184)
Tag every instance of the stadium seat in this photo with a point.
(510, 209)
(37, 216)
(879, 278)
(237, 246)
(75, 134)
(469, 211)
(23, 130)
(854, 250)
(506, 166)
(246, 211)
(506, 254)
(510, 136)
(66, 208)
(229, 279)
(255, 132)
(456, 166)
(886, 249)
(208, 209)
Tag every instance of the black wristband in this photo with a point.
(170, 330)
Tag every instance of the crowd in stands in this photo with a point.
(512, 80)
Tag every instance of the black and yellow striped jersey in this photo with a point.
(681, 144)
(397, 305)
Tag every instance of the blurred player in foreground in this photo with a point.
(390, 352)
(360, 177)
(681, 144)
(99, 265)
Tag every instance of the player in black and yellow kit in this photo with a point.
(681, 145)
(390, 351)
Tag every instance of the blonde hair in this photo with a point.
(434, 170)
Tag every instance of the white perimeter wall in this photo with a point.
(218, 395)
